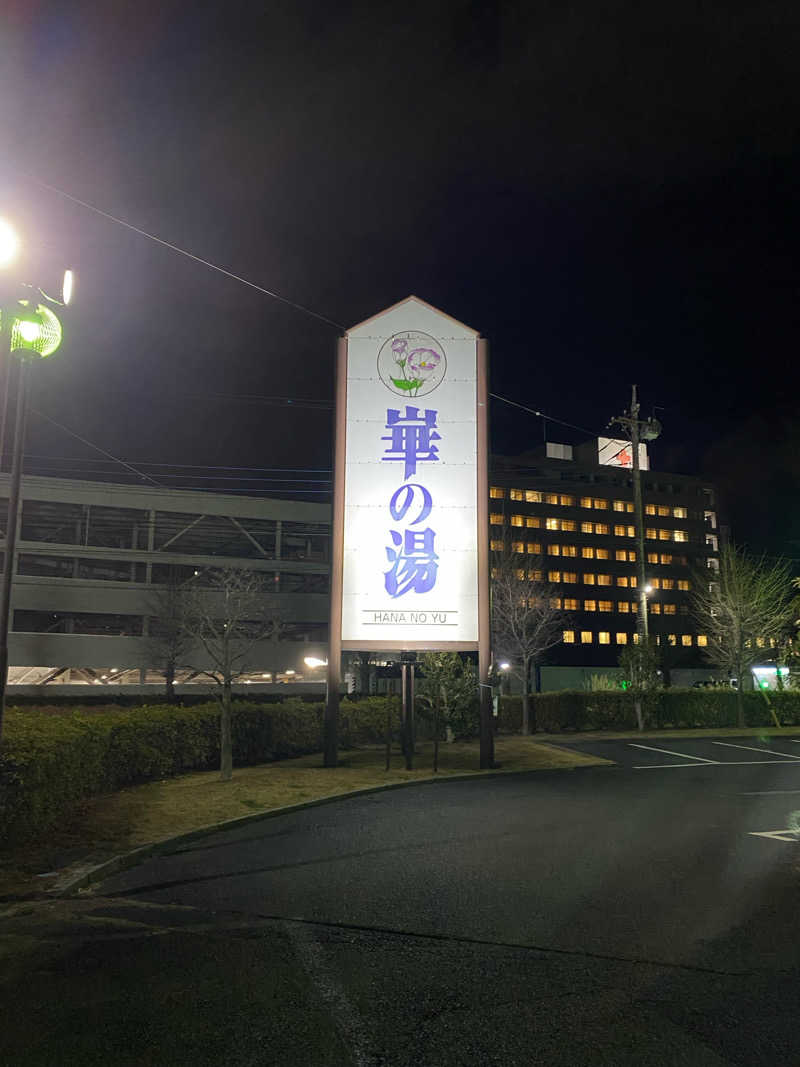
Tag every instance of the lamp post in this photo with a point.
(29, 330)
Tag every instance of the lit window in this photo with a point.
(515, 494)
(551, 524)
(666, 559)
(623, 606)
(635, 638)
(652, 557)
(655, 583)
(619, 505)
(667, 583)
(631, 531)
(604, 637)
(601, 505)
(496, 494)
(634, 606)
(619, 531)
(650, 509)
(680, 513)
(554, 550)
(496, 546)
(587, 552)
(590, 605)
(587, 527)
(555, 603)
(655, 608)
(535, 576)
(495, 519)
(569, 637)
(684, 585)
(622, 639)
(569, 550)
(680, 535)
(669, 609)
(588, 579)
(570, 604)
(534, 548)
(551, 498)
(622, 580)
(569, 525)
(686, 640)
(673, 640)
(633, 582)
(601, 528)
(570, 577)
(567, 501)
(586, 501)
(554, 576)
(517, 520)
(663, 510)
(586, 637)
(533, 496)
(519, 575)
(605, 605)
(702, 640)
(495, 572)
(532, 522)
(664, 535)
(621, 554)
(651, 533)
(604, 579)
(602, 553)
(517, 546)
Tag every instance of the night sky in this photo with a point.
(608, 192)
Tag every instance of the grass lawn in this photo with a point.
(106, 826)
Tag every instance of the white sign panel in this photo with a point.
(613, 453)
(410, 567)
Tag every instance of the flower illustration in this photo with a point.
(422, 361)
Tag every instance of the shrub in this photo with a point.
(574, 710)
(53, 757)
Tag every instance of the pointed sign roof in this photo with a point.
(414, 300)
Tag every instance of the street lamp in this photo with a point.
(33, 331)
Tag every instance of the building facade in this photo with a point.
(93, 555)
(570, 521)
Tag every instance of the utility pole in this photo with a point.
(638, 431)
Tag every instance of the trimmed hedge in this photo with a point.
(53, 757)
(574, 710)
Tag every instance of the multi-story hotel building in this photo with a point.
(569, 518)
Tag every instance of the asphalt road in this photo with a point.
(630, 914)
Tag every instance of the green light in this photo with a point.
(36, 330)
(764, 683)
(29, 331)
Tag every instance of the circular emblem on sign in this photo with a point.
(411, 363)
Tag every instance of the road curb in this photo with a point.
(84, 878)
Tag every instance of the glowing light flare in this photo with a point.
(67, 286)
(9, 243)
(315, 661)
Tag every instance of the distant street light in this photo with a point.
(314, 661)
(504, 666)
(33, 331)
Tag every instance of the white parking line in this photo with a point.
(718, 763)
(771, 793)
(776, 835)
(669, 752)
(749, 748)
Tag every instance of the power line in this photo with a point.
(183, 252)
(541, 414)
(183, 466)
(90, 444)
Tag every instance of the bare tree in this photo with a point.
(527, 619)
(743, 609)
(226, 619)
(167, 642)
